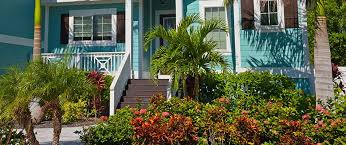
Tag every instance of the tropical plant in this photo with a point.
(37, 31)
(54, 84)
(51, 84)
(14, 104)
(188, 53)
(73, 111)
(117, 130)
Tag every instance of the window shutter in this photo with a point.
(291, 13)
(121, 27)
(247, 14)
(64, 29)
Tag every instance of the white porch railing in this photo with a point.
(119, 82)
(105, 62)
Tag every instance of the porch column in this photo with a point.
(128, 28)
(141, 39)
(179, 10)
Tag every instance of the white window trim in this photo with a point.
(92, 12)
(268, 28)
(216, 3)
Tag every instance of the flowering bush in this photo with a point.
(259, 108)
(244, 120)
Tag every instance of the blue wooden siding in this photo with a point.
(303, 84)
(54, 28)
(13, 55)
(135, 39)
(156, 6)
(191, 7)
(17, 18)
(273, 49)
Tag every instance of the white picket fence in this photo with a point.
(105, 62)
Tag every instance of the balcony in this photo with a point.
(104, 62)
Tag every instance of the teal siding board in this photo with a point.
(17, 18)
(156, 6)
(13, 55)
(303, 84)
(135, 38)
(272, 49)
(191, 7)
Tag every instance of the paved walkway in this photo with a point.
(67, 137)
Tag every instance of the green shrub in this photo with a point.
(74, 111)
(117, 130)
(245, 84)
(248, 108)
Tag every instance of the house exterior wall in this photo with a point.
(151, 9)
(55, 12)
(54, 45)
(16, 33)
(283, 52)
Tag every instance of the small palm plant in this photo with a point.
(51, 84)
(14, 105)
(189, 53)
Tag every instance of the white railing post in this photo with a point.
(119, 83)
(128, 28)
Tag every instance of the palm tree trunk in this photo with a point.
(196, 87)
(37, 31)
(30, 134)
(56, 124)
(323, 68)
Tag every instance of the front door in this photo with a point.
(167, 21)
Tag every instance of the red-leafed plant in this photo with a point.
(163, 128)
(97, 79)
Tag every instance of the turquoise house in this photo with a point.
(107, 35)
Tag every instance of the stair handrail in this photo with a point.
(119, 82)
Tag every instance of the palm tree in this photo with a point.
(52, 84)
(322, 56)
(14, 105)
(55, 84)
(37, 31)
(189, 53)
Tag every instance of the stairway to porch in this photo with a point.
(138, 92)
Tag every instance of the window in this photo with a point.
(218, 36)
(95, 26)
(98, 27)
(82, 28)
(269, 12)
